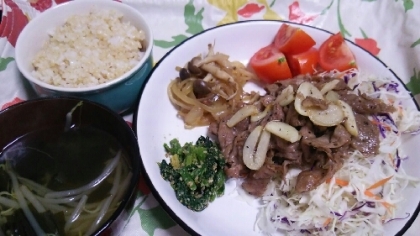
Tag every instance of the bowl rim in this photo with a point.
(71, 90)
(136, 163)
(144, 172)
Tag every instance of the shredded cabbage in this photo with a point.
(364, 194)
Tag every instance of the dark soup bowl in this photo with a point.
(68, 166)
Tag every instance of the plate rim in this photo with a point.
(144, 172)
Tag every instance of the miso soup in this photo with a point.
(60, 182)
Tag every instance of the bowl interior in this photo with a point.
(35, 34)
(240, 41)
(38, 114)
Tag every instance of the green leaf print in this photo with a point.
(415, 43)
(363, 33)
(408, 5)
(414, 84)
(343, 30)
(167, 44)
(192, 20)
(4, 62)
(155, 218)
(272, 3)
(327, 8)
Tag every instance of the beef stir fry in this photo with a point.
(327, 128)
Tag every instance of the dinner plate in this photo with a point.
(156, 123)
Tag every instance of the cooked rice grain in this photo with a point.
(88, 50)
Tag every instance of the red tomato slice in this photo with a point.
(335, 54)
(270, 65)
(292, 40)
(304, 63)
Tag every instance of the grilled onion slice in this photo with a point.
(252, 158)
(350, 122)
(332, 116)
(304, 90)
(286, 96)
(241, 114)
(283, 130)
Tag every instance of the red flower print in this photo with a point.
(15, 100)
(298, 16)
(250, 9)
(41, 5)
(61, 1)
(3, 23)
(142, 186)
(14, 22)
(368, 44)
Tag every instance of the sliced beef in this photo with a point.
(341, 85)
(281, 154)
(307, 132)
(321, 151)
(295, 82)
(287, 150)
(276, 113)
(242, 125)
(272, 89)
(335, 139)
(311, 102)
(364, 104)
(267, 100)
(342, 152)
(257, 181)
(293, 118)
(367, 142)
(308, 180)
(231, 142)
(235, 167)
(255, 187)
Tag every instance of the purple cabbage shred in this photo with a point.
(370, 204)
(346, 79)
(392, 87)
(342, 217)
(374, 86)
(399, 218)
(358, 207)
(381, 128)
(355, 86)
(398, 161)
(387, 117)
(305, 231)
(415, 132)
(285, 220)
(336, 213)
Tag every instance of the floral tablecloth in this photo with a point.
(389, 29)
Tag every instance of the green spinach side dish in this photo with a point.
(195, 172)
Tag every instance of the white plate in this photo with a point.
(156, 123)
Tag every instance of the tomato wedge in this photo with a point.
(303, 63)
(292, 40)
(335, 54)
(270, 65)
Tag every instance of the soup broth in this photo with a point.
(60, 182)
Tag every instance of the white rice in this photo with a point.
(88, 50)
